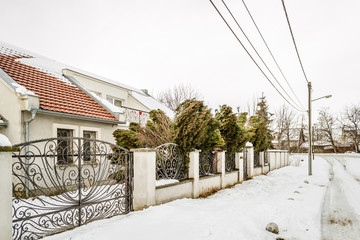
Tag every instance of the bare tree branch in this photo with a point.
(327, 125)
(173, 97)
(350, 121)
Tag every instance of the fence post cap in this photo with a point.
(249, 144)
(196, 150)
(143, 150)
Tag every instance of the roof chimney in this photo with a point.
(145, 91)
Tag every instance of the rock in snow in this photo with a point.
(272, 227)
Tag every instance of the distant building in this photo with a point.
(291, 140)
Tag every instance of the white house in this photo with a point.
(41, 98)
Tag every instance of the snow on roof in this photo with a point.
(112, 107)
(55, 92)
(55, 68)
(22, 90)
(151, 103)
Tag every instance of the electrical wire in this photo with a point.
(293, 38)
(252, 57)
(257, 53)
(268, 48)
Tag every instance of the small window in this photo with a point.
(89, 146)
(117, 103)
(110, 100)
(65, 146)
(114, 101)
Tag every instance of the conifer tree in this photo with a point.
(232, 130)
(195, 127)
(127, 139)
(260, 127)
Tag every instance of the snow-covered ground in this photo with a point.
(305, 207)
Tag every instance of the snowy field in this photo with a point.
(322, 206)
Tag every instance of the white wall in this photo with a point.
(165, 194)
(209, 184)
(106, 89)
(231, 178)
(10, 108)
(45, 126)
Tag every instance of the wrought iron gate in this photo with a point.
(62, 183)
(245, 156)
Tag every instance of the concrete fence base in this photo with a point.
(146, 193)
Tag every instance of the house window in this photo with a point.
(65, 146)
(89, 146)
(114, 101)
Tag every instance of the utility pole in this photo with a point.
(310, 132)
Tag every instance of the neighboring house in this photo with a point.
(340, 148)
(292, 140)
(348, 137)
(41, 98)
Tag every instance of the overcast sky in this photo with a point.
(159, 43)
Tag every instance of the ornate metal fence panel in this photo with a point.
(245, 160)
(206, 163)
(266, 158)
(256, 159)
(229, 162)
(62, 183)
(170, 162)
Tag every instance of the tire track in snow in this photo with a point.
(338, 218)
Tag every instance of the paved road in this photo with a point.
(340, 216)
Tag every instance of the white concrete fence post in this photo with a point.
(194, 172)
(6, 193)
(144, 177)
(287, 158)
(250, 160)
(262, 162)
(239, 164)
(220, 168)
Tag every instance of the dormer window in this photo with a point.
(114, 101)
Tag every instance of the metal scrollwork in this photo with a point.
(245, 160)
(229, 162)
(266, 160)
(256, 159)
(170, 162)
(206, 162)
(61, 183)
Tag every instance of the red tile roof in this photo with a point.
(55, 92)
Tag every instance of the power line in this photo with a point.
(257, 53)
(292, 35)
(251, 56)
(268, 48)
